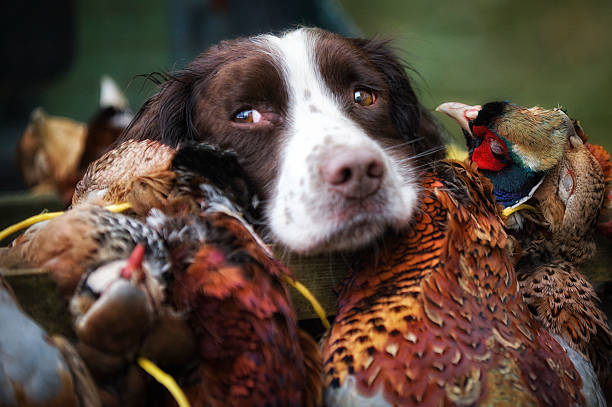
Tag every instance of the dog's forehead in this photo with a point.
(313, 60)
(305, 73)
(295, 52)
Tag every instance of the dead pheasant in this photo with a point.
(251, 351)
(108, 178)
(54, 151)
(37, 369)
(197, 175)
(224, 281)
(435, 318)
(80, 240)
(544, 157)
(123, 311)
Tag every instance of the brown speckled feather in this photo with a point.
(436, 318)
(572, 214)
(251, 353)
(81, 238)
(108, 178)
(565, 303)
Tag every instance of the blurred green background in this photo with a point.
(546, 53)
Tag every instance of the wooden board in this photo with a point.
(39, 297)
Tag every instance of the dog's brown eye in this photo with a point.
(247, 116)
(364, 97)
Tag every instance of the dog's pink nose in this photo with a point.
(355, 173)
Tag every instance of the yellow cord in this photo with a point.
(166, 380)
(301, 288)
(50, 215)
(118, 208)
(509, 211)
(124, 206)
(28, 222)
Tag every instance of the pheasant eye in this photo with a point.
(566, 184)
(491, 152)
(247, 116)
(364, 98)
(496, 148)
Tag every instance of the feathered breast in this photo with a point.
(436, 317)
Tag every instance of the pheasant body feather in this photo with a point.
(437, 318)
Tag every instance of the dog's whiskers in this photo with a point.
(431, 151)
(394, 147)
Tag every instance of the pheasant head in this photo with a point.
(512, 145)
(542, 154)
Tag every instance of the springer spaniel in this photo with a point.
(328, 128)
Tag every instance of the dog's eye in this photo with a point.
(247, 116)
(364, 97)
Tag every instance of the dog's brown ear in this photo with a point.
(412, 119)
(167, 116)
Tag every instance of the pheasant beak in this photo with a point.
(134, 264)
(461, 113)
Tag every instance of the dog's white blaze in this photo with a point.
(301, 212)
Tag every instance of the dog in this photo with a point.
(328, 128)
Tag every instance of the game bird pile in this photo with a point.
(479, 301)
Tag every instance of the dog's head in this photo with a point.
(328, 128)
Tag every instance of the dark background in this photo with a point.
(548, 53)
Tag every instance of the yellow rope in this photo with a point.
(301, 288)
(509, 211)
(166, 380)
(120, 207)
(50, 215)
(124, 206)
(28, 222)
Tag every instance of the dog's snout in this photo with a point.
(355, 173)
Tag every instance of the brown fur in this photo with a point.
(198, 103)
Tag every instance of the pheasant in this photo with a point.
(107, 179)
(80, 240)
(568, 198)
(229, 285)
(54, 152)
(249, 349)
(198, 175)
(37, 369)
(435, 316)
(123, 311)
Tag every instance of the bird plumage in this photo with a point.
(556, 237)
(204, 266)
(436, 317)
(54, 152)
(108, 178)
(507, 144)
(37, 369)
(79, 240)
(250, 349)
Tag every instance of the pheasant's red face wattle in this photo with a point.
(492, 153)
(134, 262)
